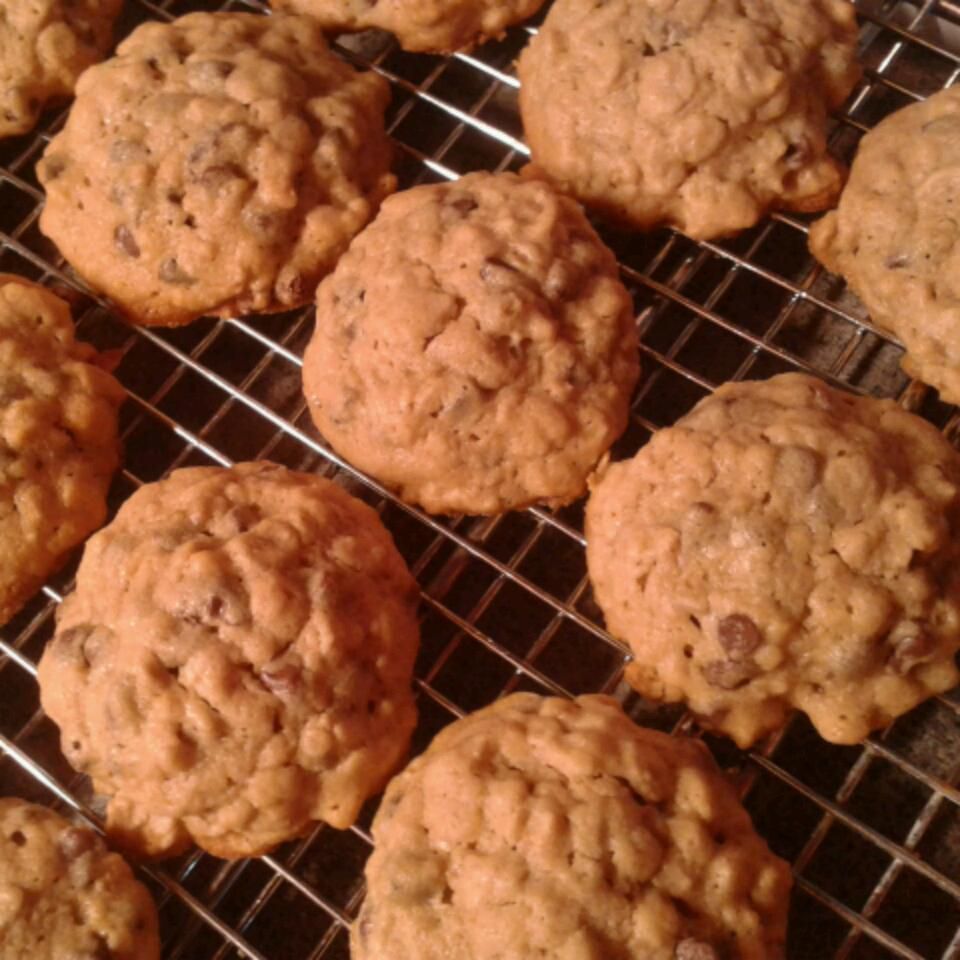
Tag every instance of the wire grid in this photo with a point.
(873, 831)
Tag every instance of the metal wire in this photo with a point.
(873, 832)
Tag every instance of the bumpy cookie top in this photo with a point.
(474, 349)
(698, 113)
(218, 164)
(64, 896)
(58, 439)
(896, 235)
(541, 827)
(436, 26)
(44, 46)
(236, 660)
(784, 545)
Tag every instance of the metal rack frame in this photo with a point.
(873, 831)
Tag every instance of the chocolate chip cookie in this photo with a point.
(895, 236)
(64, 896)
(475, 350)
(430, 26)
(784, 545)
(236, 660)
(701, 115)
(541, 827)
(218, 164)
(44, 46)
(58, 439)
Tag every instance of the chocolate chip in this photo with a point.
(739, 636)
(911, 646)
(76, 841)
(126, 242)
(73, 646)
(690, 949)
(171, 272)
(727, 675)
(17, 838)
(796, 155)
(292, 290)
(128, 151)
(897, 261)
(282, 680)
(463, 204)
(365, 924)
(51, 167)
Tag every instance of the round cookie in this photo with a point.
(430, 26)
(784, 545)
(475, 350)
(64, 896)
(44, 46)
(58, 439)
(236, 660)
(541, 827)
(895, 236)
(218, 164)
(703, 115)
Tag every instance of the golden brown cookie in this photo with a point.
(58, 439)
(541, 827)
(218, 164)
(784, 545)
(431, 26)
(699, 114)
(64, 896)
(895, 236)
(44, 46)
(236, 660)
(475, 350)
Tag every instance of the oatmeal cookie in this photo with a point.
(475, 350)
(218, 164)
(236, 660)
(58, 439)
(44, 46)
(784, 545)
(895, 237)
(64, 896)
(699, 114)
(429, 26)
(541, 827)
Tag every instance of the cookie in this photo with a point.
(541, 827)
(700, 115)
(475, 350)
(64, 896)
(784, 545)
(236, 660)
(430, 26)
(218, 165)
(58, 439)
(895, 236)
(44, 46)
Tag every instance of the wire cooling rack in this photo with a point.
(872, 831)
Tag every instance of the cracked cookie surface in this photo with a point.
(218, 164)
(895, 236)
(541, 827)
(236, 660)
(64, 895)
(475, 350)
(784, 545)
(429, 26)
(703, 114)
(58, 439)
(44, 47)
